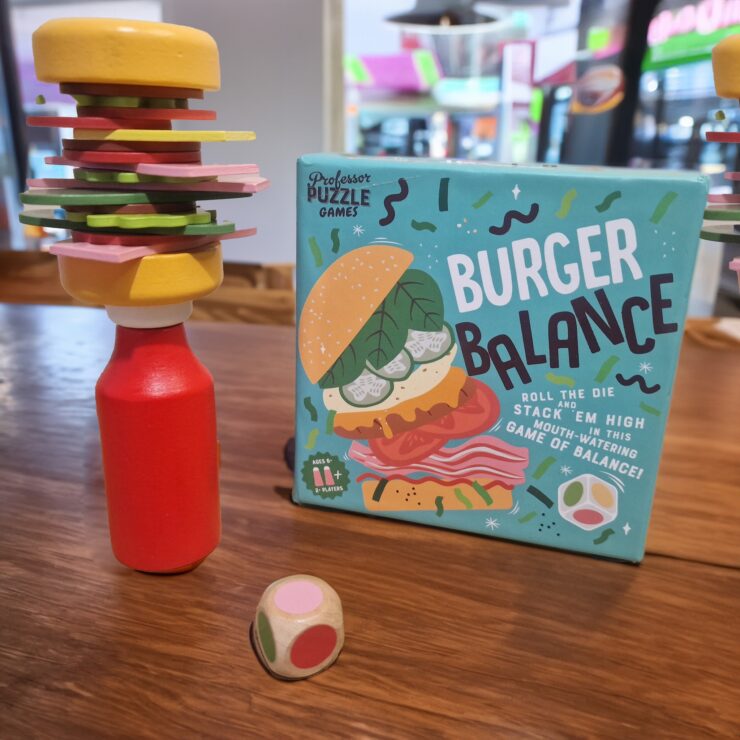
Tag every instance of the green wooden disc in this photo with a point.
(90, 175)
(80, 218)
(146, 220)
(47, 219)
(127, 101)
(721, 234)
(62, 197)
(722, 214)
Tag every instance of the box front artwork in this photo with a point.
(490, 348)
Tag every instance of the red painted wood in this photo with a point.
(724, 137)
(150, 114)
(157, 418)
(131, 146)
(83, 157)
(313, 646)
(97, 122)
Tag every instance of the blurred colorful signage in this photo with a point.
(688, 33)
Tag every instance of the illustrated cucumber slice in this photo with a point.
(367, 390)
(399, 368)
(427, 346)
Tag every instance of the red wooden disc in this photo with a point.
(130, 146)
(724, 137)
(732, 175)
(81, 158)
(97, 122)
(149, 114)
(135, 240)
(139, 91)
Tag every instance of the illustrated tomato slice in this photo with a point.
(407, 447)
(476, 415)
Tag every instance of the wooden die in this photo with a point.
(298, 628)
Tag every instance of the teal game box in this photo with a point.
(490, 348)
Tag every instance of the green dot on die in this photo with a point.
(573, 493)
(267, 640)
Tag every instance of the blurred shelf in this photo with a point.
(413, 105)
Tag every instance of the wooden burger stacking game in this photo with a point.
(724, 209)
(141, 248)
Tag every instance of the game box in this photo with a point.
(490, 348)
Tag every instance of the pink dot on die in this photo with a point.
(298, 597)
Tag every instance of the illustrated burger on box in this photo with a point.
(373, 336)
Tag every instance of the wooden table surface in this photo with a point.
(447, 634)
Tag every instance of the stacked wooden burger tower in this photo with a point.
(140, 247)
(725, 208)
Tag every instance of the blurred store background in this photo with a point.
(598, 82)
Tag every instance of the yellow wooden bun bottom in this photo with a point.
(151, 281)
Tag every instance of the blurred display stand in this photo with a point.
(462, 79)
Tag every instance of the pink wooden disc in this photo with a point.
(168, 170)
(298, 597)
(723, 198)
(133, 240)
(236, 184)
(118, 248)
(196, 170)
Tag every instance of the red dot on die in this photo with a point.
(588, 516)
(313, 646)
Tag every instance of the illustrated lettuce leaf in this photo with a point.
(416, 300)
(347, 368)
(383, 337)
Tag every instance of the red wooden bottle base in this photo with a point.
(157, 416)
(176, 571)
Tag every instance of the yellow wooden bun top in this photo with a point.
(726, 65)
(151, 281)
(114, 51)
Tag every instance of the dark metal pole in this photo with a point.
(620, 137)
(13, 96)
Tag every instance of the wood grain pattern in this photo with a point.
(447, 635)
(250, 294)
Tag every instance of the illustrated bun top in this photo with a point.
(342, 300)
(726, 65)
(110, 50)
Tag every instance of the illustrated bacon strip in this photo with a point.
(478, 457)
